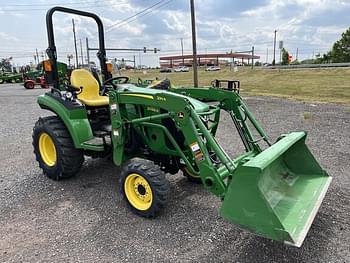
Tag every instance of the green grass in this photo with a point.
(313, 85)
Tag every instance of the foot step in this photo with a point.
(101, 134)
(95, 141)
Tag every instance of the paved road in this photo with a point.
(84, 219)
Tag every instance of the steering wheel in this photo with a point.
(113, 82)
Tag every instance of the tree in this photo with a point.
(5, 64)
(285, 57)
(341, 49)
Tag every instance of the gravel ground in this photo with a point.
(84, 219)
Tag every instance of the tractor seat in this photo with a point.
(90, 94)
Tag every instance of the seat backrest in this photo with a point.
(84, 78)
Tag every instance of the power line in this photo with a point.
(125, 20)
(53, 4)
(151, 11)
(68, 4)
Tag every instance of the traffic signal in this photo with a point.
(144, 49)
(155, 50)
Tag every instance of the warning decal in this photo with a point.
(198, 155)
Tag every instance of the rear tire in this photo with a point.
(144, 187)
(54, 149)
(29, 85)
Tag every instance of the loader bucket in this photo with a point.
(277, 193)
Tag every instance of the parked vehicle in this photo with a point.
(30, 84)
(164, 70)
(182, 69)
(213, 68)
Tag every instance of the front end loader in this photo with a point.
(149, 131)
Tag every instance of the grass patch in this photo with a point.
(314, 85)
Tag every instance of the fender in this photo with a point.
(72, 114)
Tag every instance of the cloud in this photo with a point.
(6, 37)
(17, 14)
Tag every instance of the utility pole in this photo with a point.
(37, 55)
(280, 56)
(182, 51)
(87, 51)
(267, 55)
(134, 62)
(81, 52)
(274, 50)
(35, 60)
(252, 57)
(296, 56)
(194, 45)
(75, 44)
(140, 60)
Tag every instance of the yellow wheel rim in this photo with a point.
(138, 191)
(47, 149)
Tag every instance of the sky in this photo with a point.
(311, 26)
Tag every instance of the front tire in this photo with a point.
(144, 187)
(54, 149)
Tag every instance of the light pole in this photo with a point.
(81, 53)
(252, 57)
(182, 51)
(75, 45)
(194, 45)
(274, 50)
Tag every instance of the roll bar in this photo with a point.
(51, 50)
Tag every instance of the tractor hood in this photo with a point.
(144, 92)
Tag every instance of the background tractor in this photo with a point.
(158, 129)
(36, 77)
(9, 77)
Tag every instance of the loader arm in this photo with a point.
(274, 193)
(231, 102)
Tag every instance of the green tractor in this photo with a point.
(9, 77)
(158, 129)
